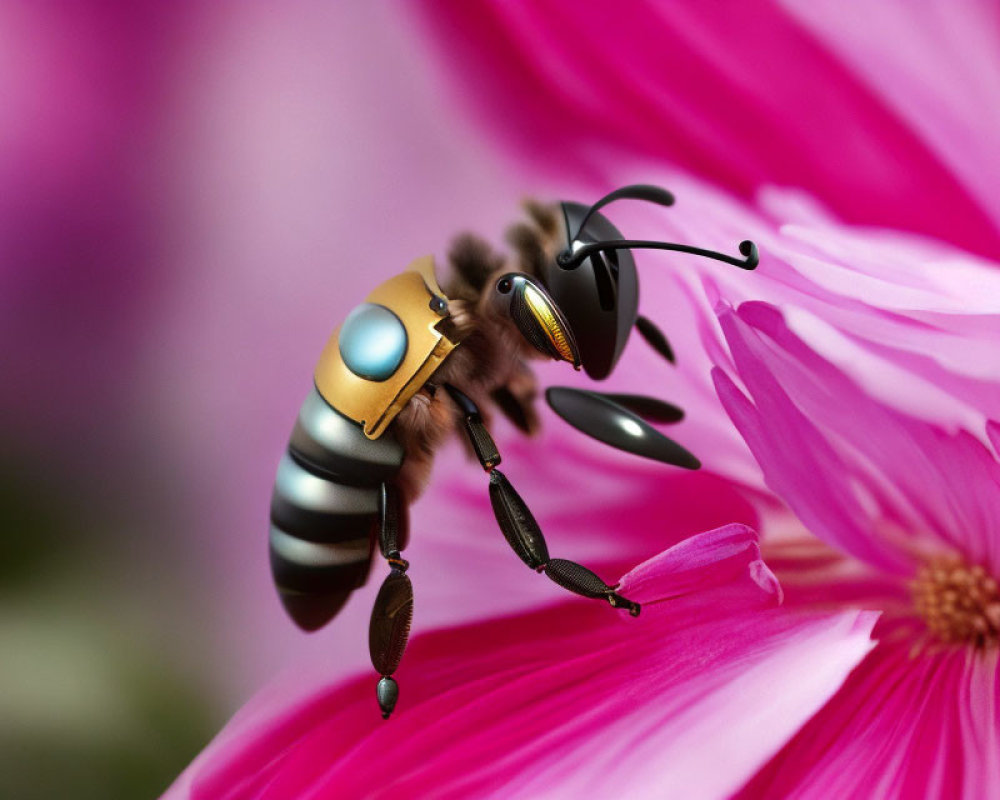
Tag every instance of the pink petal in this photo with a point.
(993, 431)
(744, 96)
(802, 469)
(571, 700)
(719, 559)
(862, 476)
(934, 65)
(909, 318)
(900, 727)
(915, 307)
(595, 505)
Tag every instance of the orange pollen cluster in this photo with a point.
(959, 603)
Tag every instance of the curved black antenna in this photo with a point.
(571, 260)
(635, 191)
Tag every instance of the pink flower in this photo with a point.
(888, 117)
(271, 219)
(916, 510)
(886, 124)
(746, 98)
(569, 700)
(912, 320)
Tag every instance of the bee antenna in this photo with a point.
(635, 191)
(572, 259)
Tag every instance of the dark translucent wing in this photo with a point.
(615, 425)
(649, 408)
(655, 338)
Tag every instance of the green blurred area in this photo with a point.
(98, 699)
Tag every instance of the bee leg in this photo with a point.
(393, 610)
(518, 524)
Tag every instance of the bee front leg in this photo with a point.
(518, 524)
(516, 399)
(393, 610)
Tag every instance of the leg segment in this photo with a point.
(518, 524)
(393, 611)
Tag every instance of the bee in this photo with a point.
(415, 362)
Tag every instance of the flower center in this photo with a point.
(959, 603)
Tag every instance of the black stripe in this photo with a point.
(318, 526)
(342, 452)
(295, 577)
(338, 468)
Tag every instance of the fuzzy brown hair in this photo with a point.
(490, 364)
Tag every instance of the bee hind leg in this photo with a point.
(392, 614)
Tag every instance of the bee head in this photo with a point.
(582, 304)
(593, 283)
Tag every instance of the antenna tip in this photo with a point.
(749, 249)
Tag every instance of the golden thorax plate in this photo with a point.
(374, 404)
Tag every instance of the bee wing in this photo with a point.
(605, 420)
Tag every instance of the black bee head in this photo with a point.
(581, 305)
(600, 296)
(593, 281)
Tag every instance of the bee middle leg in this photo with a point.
(518, 524)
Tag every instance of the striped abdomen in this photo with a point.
(324, 509)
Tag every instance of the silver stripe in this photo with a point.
(313, 554)
(331, 431)
(303, 489)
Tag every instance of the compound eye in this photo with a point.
(536, 316)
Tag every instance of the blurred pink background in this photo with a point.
(193, 195)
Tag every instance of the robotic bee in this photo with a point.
(415, 361)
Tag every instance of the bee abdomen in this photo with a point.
(323, 511)
(333, 445)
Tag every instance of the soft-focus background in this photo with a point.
(191, 197)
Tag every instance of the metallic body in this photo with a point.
(323, 510)
(337, 495)
(326, 500)
(372, 403)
